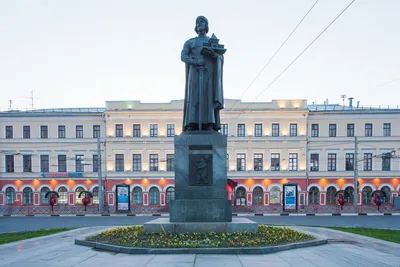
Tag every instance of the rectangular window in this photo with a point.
(27, 163)
(79, 131)
(9, 132)
(170, 162)
(332, 162)
(26, 133)
(349, 161)
(332, 130)
(44, 163)
(119, 163)
(153, 162)
(258, 132)
(258, 162)
(170, 130)
(119, 130)
(79, 167)
(61, 131)
(275, 129)
(95, 163)
(224, 129)
(293, 161)
(367, 161)
(386, 161)
(96, 131)
(314, 162)
(62, 163)
(136, 130)
(44, 131)
(137, 162)
(368, 129)
(314, 130)
(9, 163)
(241, 162)
(293, 129)
(350, 130)
(241, 130)
(153, 130)
(275, 162)
(387, 129)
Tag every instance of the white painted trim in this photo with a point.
(21, 189)
(260, 185)
(388, 185)
(9, 185)
(272, 185)
(242, 185)
(168, 186)
(334, 185)
(316, 185)
(79, 185)
(93, 187)
(44, 185)
(154, 185)
(364, 185)
(62, 185)
(135, 185)
(346, 185)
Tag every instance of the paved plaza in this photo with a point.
(59, 250)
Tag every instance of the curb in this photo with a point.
(234, 214)
(259, 250)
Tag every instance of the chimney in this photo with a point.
(358, 104)
(351, 102)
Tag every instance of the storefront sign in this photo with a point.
(62, 174)
(290, 197)
(122, 197)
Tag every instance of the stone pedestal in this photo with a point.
(200, 178)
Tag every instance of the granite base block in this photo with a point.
(201, 210)
(164, 225)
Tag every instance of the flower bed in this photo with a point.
(135, 236)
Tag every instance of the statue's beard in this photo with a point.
(201, 28)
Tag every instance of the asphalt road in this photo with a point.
(15, 224)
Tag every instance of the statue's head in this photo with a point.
(201, 23)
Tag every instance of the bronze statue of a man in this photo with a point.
(203, 57)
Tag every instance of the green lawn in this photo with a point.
(387, 235)
(12, 237)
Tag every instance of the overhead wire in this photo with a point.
(273, 56)
(298, 56)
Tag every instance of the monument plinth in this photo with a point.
(201, 200)
(200, 178)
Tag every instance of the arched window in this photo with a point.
(170, 194)
(27, 195)
(63, 193)
(275, 195)
(386, 192)
(350, 190)
(43, 192)
(95, 195)
(78, 200)
(240, 196)
(137, 195)
(367, 195)
(313, 195)
(10, 195)
(154, 196)
(258, 195)
(330, 195)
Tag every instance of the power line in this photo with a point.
(302, 52)
(273, 56)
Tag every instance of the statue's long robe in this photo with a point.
(213, 100)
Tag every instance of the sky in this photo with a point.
(73, 53)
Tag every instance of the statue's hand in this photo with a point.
(200, 62)
(209, 52)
